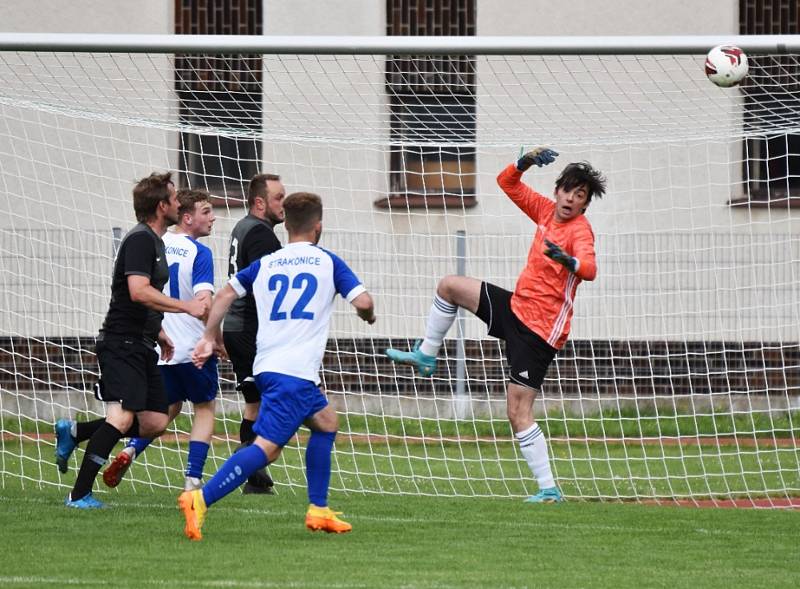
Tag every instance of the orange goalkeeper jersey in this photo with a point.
(545, 290)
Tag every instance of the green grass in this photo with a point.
(627, 422)
(398, 541)
(585, 470)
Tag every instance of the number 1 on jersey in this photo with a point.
(174, 286)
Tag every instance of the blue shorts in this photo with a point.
(286, 402)
(184, 382)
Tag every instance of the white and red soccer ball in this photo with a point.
(726, 65)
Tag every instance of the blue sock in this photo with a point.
(233, 473)
(198, 451)
(138, 444)
(318, 466)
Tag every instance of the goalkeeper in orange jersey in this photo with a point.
(535, 319)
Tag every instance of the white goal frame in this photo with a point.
(475, 475)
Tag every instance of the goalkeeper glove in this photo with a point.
(541, 156)
(555, 253)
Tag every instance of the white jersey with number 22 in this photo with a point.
(294, 289)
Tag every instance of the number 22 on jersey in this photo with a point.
(305, 282)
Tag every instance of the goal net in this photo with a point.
(681, 378)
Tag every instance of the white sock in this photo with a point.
(440, 319)
(533, 446)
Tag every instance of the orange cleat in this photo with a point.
(194, 509)
(112, 476)
(324, 518)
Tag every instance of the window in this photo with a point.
(220, 91)
(772, 156)
(432, 109)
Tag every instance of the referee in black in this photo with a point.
(130, 383)
(252, 238)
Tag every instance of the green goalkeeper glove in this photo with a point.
(541, 156)
(555, 253)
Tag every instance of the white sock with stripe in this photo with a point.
(533, 446)
(440, 319)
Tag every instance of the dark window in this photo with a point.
(771, 154)
(432, 109)
(221, 92)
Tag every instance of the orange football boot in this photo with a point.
(324, 518)
(194, 509)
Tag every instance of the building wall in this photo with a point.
(87, 16)
(619, 17)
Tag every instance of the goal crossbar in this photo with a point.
(383, 45)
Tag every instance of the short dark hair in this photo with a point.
(148, 192)
(258, 187)
(582, 174)
(303, 210)
(188, 199)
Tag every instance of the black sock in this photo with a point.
(246, 433)
(133, 430)
(97, 450)
(85, 429)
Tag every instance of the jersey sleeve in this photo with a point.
(345, 281)
(259, 242)
(203, 270)
(583, 250)
(242, 283)
(526, 198)
(140, 252)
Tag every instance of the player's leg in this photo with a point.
(151, 419)
(324, 423)
(529, 357)
(113, 475)
(124, 367)
(236, 469)
(199, 444)
(273, 428)
(259, 483)
(118, 420)
(241, 352)
(532, 442)
(452, 292)
(241, 349)
(70, 433)
(200, 387)
(233, 473)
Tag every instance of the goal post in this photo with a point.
(681, 378)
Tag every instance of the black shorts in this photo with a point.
(129, 375)
(528, 355)
(241, 348)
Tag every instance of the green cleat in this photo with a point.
(550, 495)
(426, 365)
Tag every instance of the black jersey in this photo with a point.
(142, 254)
(251, 239)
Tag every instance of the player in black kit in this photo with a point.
(130, 383)
(252, 238)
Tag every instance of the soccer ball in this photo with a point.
(726, 65)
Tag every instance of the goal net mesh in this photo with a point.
(681, 377)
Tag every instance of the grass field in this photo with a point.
(398, 541)
(418, 541)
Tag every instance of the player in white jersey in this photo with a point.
(191, 275)
(294, 290)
